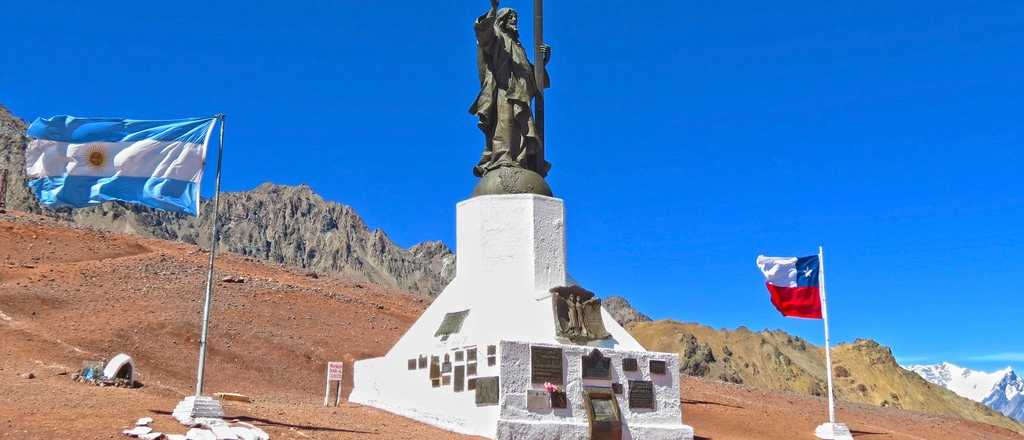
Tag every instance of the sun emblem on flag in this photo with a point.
(96, 157)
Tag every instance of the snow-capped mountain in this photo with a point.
(1000, 390)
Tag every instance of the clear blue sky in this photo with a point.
(686, 138)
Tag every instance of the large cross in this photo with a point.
(538, 72)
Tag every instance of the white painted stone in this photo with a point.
(511, 252)
(200, 434)
(144, 421)
(151, 436)
(223, 432)
(116, 363)
(197, 409)
(244, 433)
(175, 437)
(137, 431)
(833, 431)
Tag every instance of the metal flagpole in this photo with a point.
(828, 349)
(209, 273)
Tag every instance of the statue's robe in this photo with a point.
(503, 105)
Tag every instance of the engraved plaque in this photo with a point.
(435, 360)
(471, 384)
(491, 360)
(487, 391)
(435, 370)
(657, 367)
(538, 400)
(546, 365)
(617, 388)
(641, 394)
(629, 364)
(471, 369)
(411, 364)
(460, 378)
(452, 323)
(446, 380)
(422, 362)
(492, 350)
(471, 355)
(597, 366)
(436, 383)
(459, 356)
(446, 367)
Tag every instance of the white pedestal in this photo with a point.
(833, 431)
(197, 409)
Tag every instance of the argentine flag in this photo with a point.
(79, 162)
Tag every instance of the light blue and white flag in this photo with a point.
(81, 162)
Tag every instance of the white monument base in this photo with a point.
(197, 409)
(475, 375)
(833, 431)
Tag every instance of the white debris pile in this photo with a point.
(208, 429)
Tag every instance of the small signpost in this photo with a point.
(334, 370)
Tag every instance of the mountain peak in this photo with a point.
(1001, 390)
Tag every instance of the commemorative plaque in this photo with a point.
(436, 383)
(629, 364)
(491, 360)
(538, 400)
(487, 391)
(422, 361)
(471, 369)
(617, 388)
(657, 367)
(460, 378)
(451, 324)
(641, 394)
(471, 355)
(546, 365)
(597, 366)
(459, 356)
(435, 370)
(471, 384)
(446, 380)
(446, 367)
(411, 364)
(492, 350)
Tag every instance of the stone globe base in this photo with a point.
(512, 180)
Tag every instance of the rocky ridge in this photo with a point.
(282, 224)
(622, 311)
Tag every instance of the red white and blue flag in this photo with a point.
(793, 284)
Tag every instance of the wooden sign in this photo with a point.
(546, 365)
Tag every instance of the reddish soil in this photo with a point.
(70, 294)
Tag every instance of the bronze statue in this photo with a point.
(514, 146)
(577, 315)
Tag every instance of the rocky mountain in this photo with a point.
(1001, 390)
(281, 224)
(864, 371)
(622, 311)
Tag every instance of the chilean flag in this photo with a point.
(793, 284)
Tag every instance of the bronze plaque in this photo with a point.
(435, 370)
(603, 415)
(546, 365)
(459, 356)
(471, 384)
(412, 364)
(657, 367)
(460, 378)
(487, 391)
(446, 367)
(629, 364)
(617, 388)
(492, 350)
(436, 383)
(597, 366)
(471, 369)
(422, 362)
(452, 323)
(491, 360)
(641, 394)
(446, 380)
(471, 355)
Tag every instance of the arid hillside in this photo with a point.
(865, 371)
(69, 293)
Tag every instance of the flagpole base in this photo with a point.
(833, 431)
(196, 409)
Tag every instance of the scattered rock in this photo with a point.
(137, 431)
(29, 375)
(235, 280)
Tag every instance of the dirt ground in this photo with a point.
(70, 294)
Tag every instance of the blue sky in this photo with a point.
(686, 138)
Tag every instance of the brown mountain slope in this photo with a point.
(866, 372)
(276, 223)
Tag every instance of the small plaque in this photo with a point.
(491, 360)
(435, 360)
(641, 394)
(597, 366)
(487, 391)
(422, 362)
(446, 380)
(492, 350)
(460, 356)
(471, 369)
(412, 364)
(471, 355)
(629, 364)
(452, 323)
(657, 367)
(436, 383)
(435, 370)
(460, 378)
(617, 388)
(446, 367)
(471, 384)
(538, 400)
(546, 365)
